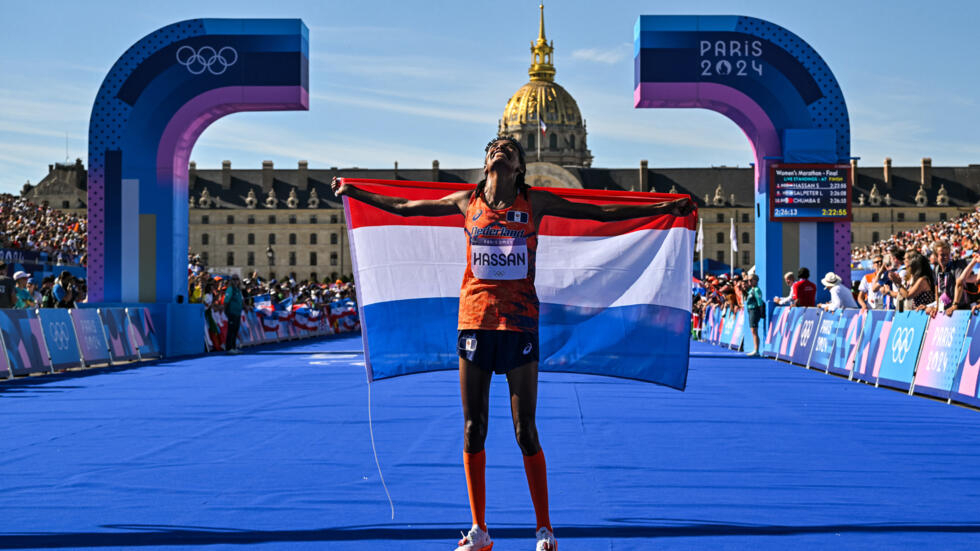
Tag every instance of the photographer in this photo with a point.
(871, 294)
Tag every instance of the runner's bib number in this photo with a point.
(499, 258)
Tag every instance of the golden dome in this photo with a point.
(544, 116)
(554, 103)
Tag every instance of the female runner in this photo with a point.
(498, 309)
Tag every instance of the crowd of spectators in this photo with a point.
(225, 296)
(26, 226)
(208, 288)
(24, 291)
(962, 234)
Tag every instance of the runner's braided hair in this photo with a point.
(522, 186)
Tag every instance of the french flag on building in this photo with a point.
(615, 296)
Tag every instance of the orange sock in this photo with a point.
(537, 482)
(475, 465)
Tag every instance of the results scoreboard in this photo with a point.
(810, 192)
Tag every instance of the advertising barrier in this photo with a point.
(877, 325)
(788, 334)
(738, 330)
(23, 342)
(823, 346)
(964, 388)
(804, 336)
(727, 330)
(940, 354)
(847, 341)
(896, 365)
(5, 372)
(142, 335)
(91, 335)
(59, 336)
(771, 343)
(116, 326)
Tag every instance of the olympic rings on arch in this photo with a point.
(207, 59)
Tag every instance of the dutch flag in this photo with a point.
(615, 296)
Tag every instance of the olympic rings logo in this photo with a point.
(207, 59)
(59, 335)
(805, 332)
(902, 344)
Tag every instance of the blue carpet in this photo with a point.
(270, 449)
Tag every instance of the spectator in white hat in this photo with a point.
(840, 296)
(24, 297)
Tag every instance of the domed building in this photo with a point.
(543, 116)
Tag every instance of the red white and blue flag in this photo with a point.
(615, 296)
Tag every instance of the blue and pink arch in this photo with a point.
(780, 92)
(157, 99)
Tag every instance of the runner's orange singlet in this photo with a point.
(498, 287)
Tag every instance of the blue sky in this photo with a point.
(413, 81)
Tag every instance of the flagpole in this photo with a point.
(731, 252)
(701, 246)
(540, 136)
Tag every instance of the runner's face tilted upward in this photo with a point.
(503, 157)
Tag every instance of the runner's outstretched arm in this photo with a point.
(454, 203)
(549, 204)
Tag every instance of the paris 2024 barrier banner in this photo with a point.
(937, 357)
(46, 340)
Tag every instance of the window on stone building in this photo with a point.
(333, 259)
(875, 236)
(745, 258)
(272, 218)
(312, 258)
(313, 277)
(553, 142)
(292, 218)
(205, 219)
(745, 237)
(719, 237)
(230, 239)
(251, 239)
(530, 141)
(230, 259)
(720, 217)
(333, 239)
(292, 258)
(204, 257)
(571, 142)
(720, 255)
(922, 217)
(204, 239)
(230, 219)
(66, 204)
(901, 216)
(292, 239)
(312, 239)
(875, 217)
(251, 258)
(745, 218)
(333, 218)
(251, 220)
(313, 219)
(272, 239)
(942, 216)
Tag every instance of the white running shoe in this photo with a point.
(476, 540)
(546, 540)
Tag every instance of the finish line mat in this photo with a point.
(270, 449)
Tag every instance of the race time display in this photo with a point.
(810, 192)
